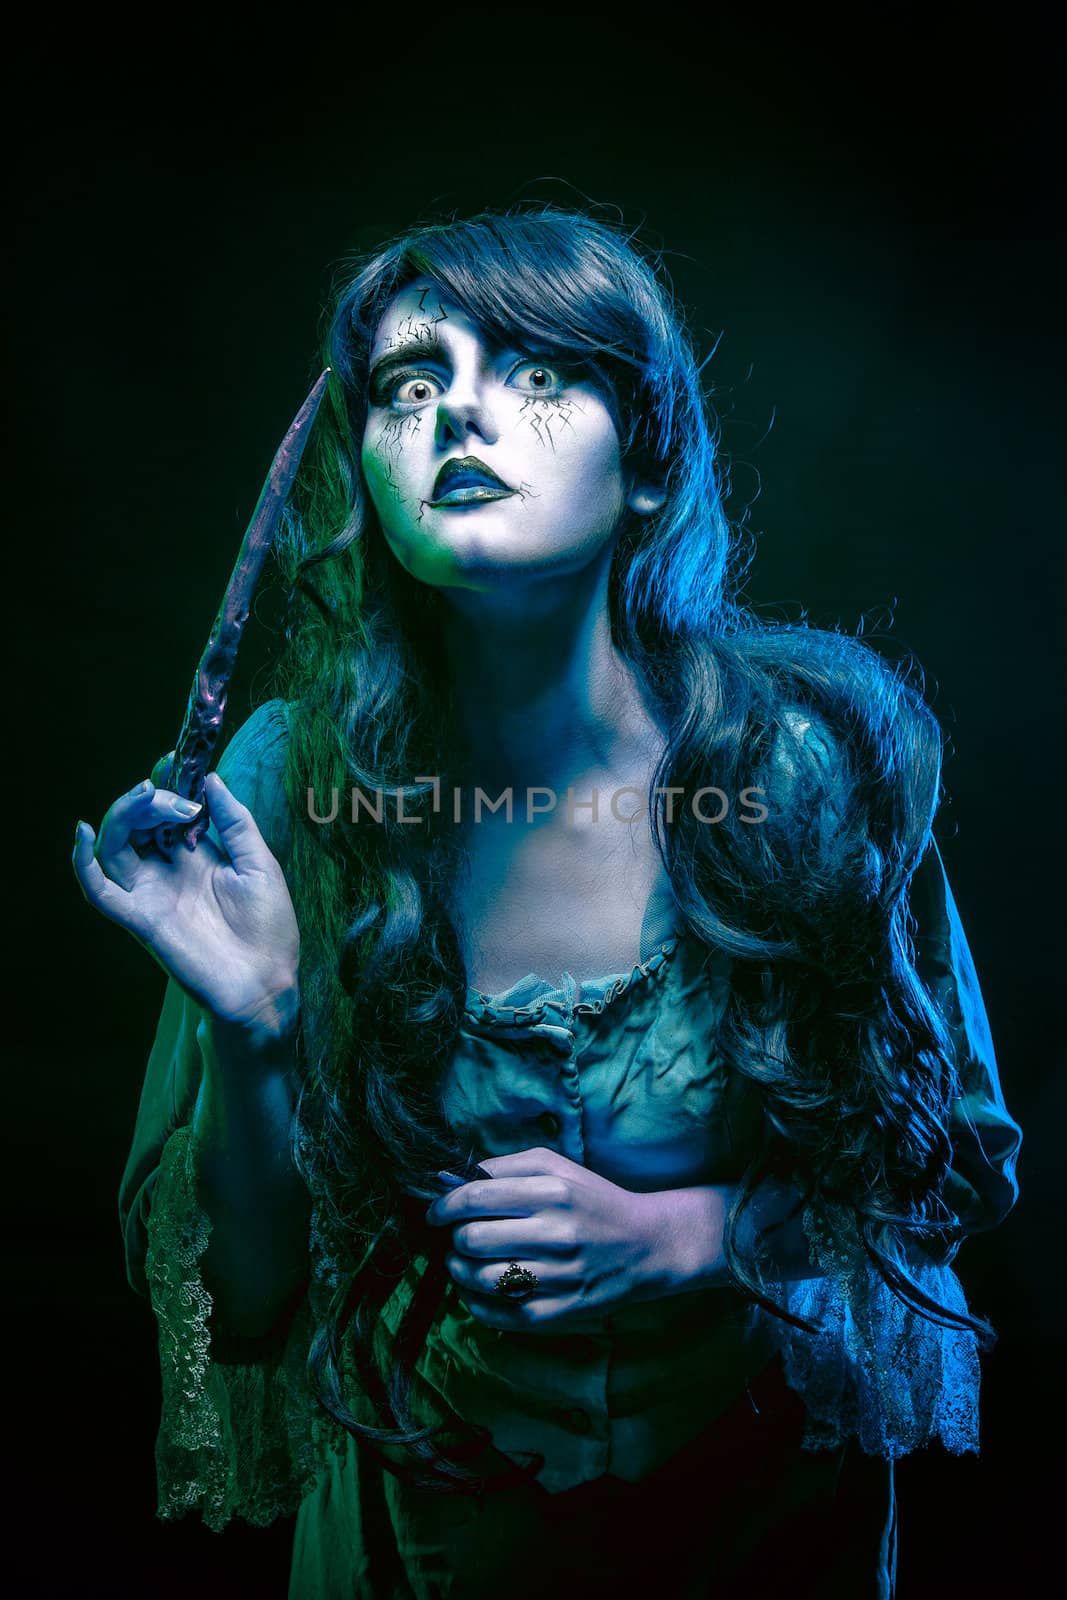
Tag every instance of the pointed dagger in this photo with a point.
(207, 697)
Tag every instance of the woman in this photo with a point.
(555, 1193)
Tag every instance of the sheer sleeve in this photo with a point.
(877, 1369)
(239, 1435)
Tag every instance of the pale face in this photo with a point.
(487, 467)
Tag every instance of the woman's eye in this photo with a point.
(415, 390)
(535, 378)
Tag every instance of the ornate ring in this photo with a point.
(518, 1283)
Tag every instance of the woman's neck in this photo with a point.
(542, 695)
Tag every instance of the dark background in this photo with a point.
(868, 215)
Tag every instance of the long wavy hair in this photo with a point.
(827, 1015)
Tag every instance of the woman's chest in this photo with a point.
(588, 901)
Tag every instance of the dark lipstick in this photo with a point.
(466, 481)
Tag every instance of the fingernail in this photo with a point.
(143, 788)
(188, 808)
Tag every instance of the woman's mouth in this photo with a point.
(475, 495)
(466, 481)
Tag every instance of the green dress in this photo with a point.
(621, 1073)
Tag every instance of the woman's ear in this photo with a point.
(644, 498)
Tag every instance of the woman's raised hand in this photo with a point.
(218, 921)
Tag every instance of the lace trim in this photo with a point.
(876, 1370)
(236, 1438)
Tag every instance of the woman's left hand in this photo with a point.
(591, 1245)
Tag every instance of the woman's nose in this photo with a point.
(462, 411)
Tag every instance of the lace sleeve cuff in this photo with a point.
(237, 1438)
(876, 1370)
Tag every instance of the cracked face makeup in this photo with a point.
(485, 465)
